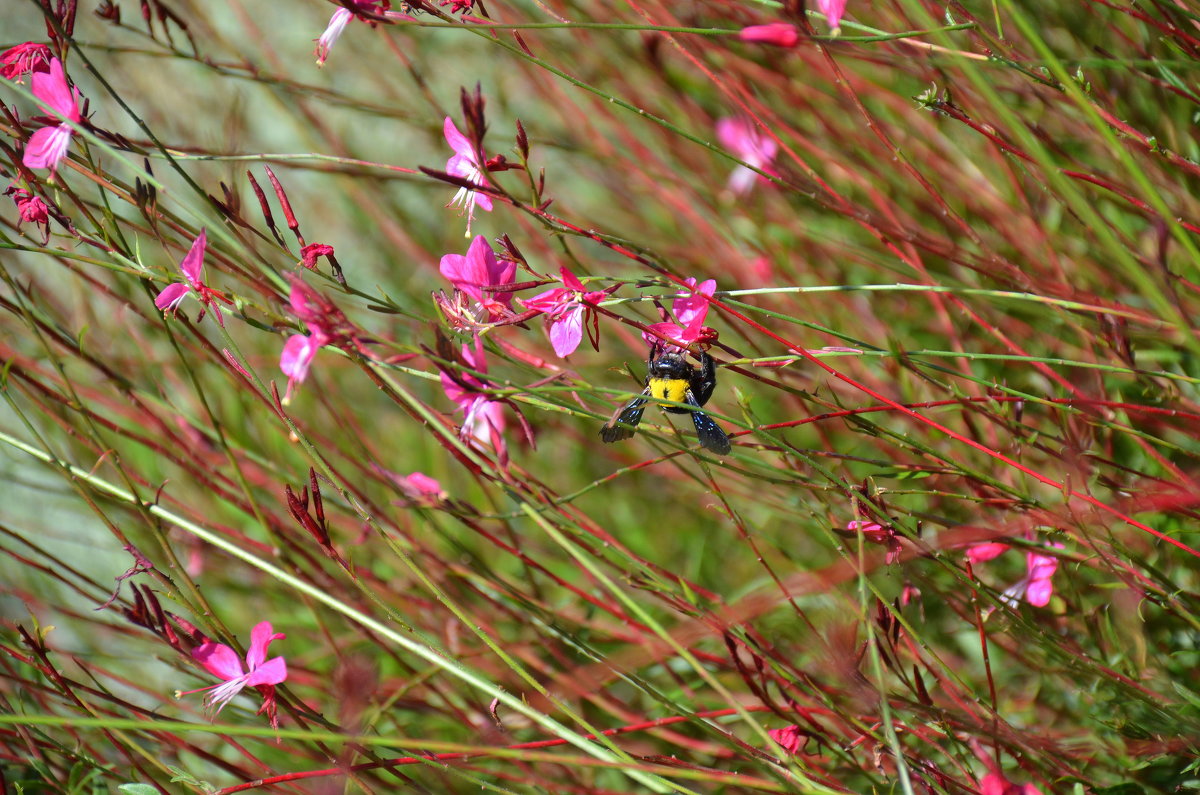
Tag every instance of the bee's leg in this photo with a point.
(705, 381)
(710, 434)
(622, 425)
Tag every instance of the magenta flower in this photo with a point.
(878, 534)
(365, 10)
(222, 661)
(333, 31)
(994, 783)
(314, 251)
(978, 553)
(478, 271)
(690, 309)
(483, 418)
(1035, 587)
(746, 143)
(325, 323)
(18, 61)
(567, 308)
(48, 145)
(298, 354)
(192, 266)
(31, 210)
(791, 738)
(833, 10)
(780, 34)
(465, 164)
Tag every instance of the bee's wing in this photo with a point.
(622, 424)
(711, 436)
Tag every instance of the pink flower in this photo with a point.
(833, 10)
(421, 488)
(978, 553)
(567, 308)
(326, 325)
(781, 34)
(48, 145)
(192, 267)
(1035, 587)
(690, 309)
(791, 738)
(996, 784)
(16, 62)
(745, 142)
(478, 271)
(465, 164)
(333, 31)
(878, 534)
(365, 10)
(31, 209)
(222, 661)
(312, 252)
(483, 418)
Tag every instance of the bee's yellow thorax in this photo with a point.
(669, 389)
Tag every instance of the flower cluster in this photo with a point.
(1036, 587)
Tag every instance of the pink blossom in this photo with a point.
(478, 271)
(1036, 586)
(325, 323)
(483, 418)
(994, 783)
(16, 62)
(690, 308)
(333, 31)
(833, 10)
(31, 209)
(465, 164)
(567, 308)
(192, 266)
(365, 10)
(312, 252)
(298, 354)
(48, 146)
(222, 661)
(743, 140)
(791, 738)
(421, 488)
(878, 534)
(780, 34)
(978, 553)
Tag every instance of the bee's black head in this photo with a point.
(670, 366)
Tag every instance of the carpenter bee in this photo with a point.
(670, 377)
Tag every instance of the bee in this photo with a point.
(670, 377)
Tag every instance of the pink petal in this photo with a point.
(741, 180)
(458, 142)
(192, 263)
(833, 10)
(298, 354)
(484, 202)
(260, 638)
(272, 672)
(52, 89)
(497, 273)
(780, 34)
(570, 280)
(692, 308)
(978, 553)
(47, 147)
(734, 135)
(218, 659)
(1039, 592)
(567, 331)
(550, 302)
(420, 485)
(171, 296)
(789, 737)
(333, 31)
